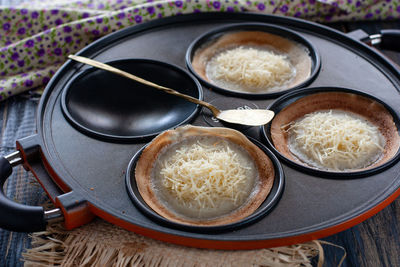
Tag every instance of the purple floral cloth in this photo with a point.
(37, 37)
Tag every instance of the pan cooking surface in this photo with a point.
(94, 168)
(108, 106)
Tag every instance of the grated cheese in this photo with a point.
(250, 69)
(207, 176)
(335, 140)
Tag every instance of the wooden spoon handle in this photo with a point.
(109, 68)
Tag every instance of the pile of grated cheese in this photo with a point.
(335, 140)
(205, 176)
(250, 69)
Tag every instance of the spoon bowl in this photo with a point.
(253, 117)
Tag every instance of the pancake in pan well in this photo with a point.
(285, 65)
(203, 176)
(339, 104)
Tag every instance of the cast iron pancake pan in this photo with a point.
(92, 171)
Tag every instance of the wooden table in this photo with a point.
(375, 242)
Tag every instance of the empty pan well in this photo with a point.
(108, 106)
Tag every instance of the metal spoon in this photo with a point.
(252, 117)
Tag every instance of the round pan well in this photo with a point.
(108, 106)
(294, 106)
(264, 192)
(300, 53)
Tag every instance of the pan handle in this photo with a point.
(15, 216)
(387, 39)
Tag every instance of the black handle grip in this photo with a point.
(15, 216)
(390, 40)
